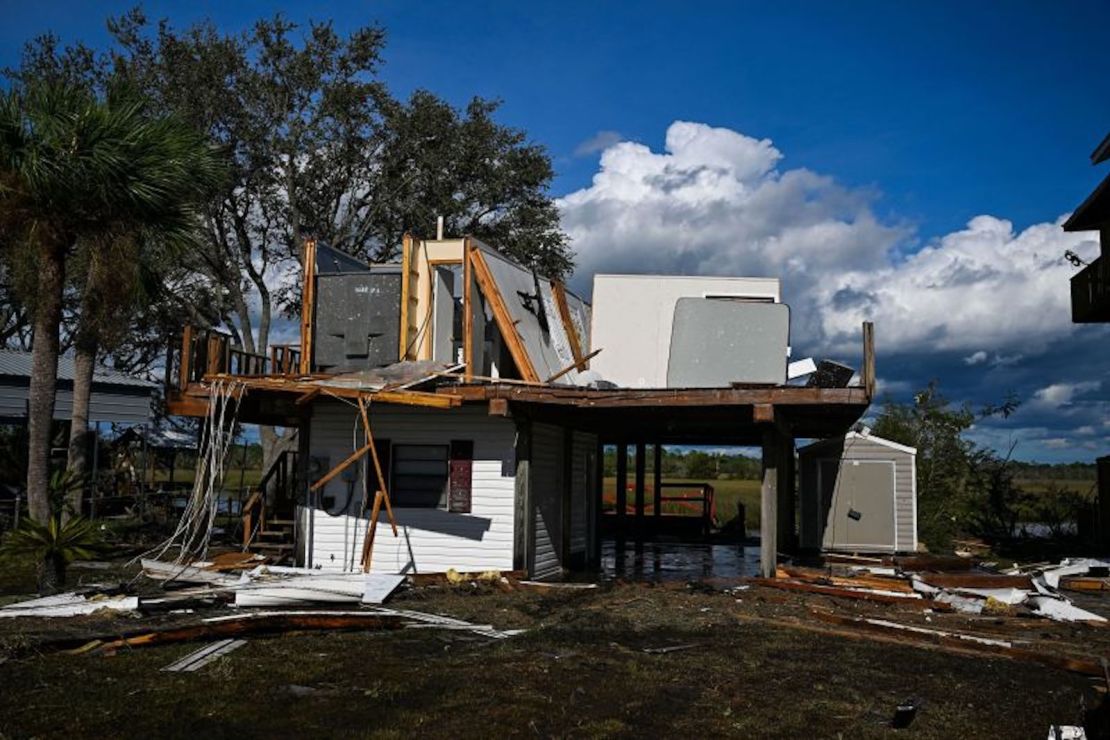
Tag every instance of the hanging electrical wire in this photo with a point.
(194, 530)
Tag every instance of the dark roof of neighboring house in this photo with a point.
(1101, 152)
(1093, 213)
(14, 363)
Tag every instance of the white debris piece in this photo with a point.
(1062, 610)
(1071, 567)
(1066, 732)
(69, 605)
(278, 586)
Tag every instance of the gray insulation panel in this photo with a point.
(715, 343)
(358, 319)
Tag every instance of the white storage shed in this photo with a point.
(858, 494)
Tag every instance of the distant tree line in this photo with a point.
(697, 464)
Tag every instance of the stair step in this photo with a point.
(278, 533)
(280, 522)
(271, 546)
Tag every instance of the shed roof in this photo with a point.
(869, 437)
(17, 364)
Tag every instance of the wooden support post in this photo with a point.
(308, 305)
(657, 483)
(1103, 502)
(382, 487)
(641, 464)
(622, 485)
(785, 489)
(185, 369)
(768, 526)
(468, 314)
(598, 484)
(371, 530)
(867, 375)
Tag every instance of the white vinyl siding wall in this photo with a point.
(430, 540)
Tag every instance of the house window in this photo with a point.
(420, 476)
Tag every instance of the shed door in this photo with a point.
(861, 511)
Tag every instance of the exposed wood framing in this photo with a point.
(468, 313)
(406, 293)
(576, 365)
(399, 397)
(505, 323)
(560, 293)
(351, 460)
(186, 357)
(308, 304)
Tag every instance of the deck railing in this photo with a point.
(1090, 293)
(203, 352)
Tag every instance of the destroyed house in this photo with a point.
(451, 410)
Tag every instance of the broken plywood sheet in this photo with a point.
(715, 343)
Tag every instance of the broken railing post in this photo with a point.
(867, 374)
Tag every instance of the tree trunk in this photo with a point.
(44, 378)
(84, 361)
(51, 575)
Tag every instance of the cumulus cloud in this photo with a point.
(1061, 394)
(716, 201)
(985, 308)
(600, 141)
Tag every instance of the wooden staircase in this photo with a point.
(269, 526)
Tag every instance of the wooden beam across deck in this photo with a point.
(286, 385)
(630, 397)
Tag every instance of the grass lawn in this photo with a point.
(726, 493)
(569, 675)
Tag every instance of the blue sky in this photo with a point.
(892, 125)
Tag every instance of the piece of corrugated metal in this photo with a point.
(18, 364)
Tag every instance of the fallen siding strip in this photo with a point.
(200, 658)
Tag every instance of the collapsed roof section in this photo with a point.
(465, 303)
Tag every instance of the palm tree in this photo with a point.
(75, 167)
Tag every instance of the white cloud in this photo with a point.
(600, 141)
(1061, 394)
(716, 201)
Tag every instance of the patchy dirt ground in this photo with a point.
(580, 670)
